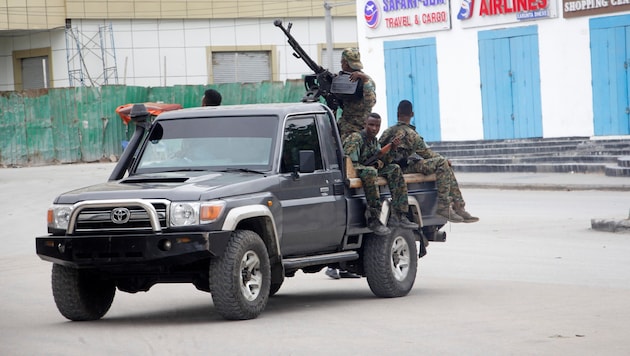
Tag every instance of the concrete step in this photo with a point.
(534, 159)
(533, 168)
(608, 156)
(617, 171)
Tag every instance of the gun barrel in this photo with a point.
(299, 51)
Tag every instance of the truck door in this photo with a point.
(313, 206)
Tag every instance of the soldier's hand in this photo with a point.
(396, 142)
(356, 75)
(379, 164)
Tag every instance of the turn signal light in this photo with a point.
(210, 212)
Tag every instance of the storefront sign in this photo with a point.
(575, 8)
(396, 17)
(476, 13)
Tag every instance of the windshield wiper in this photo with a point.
(246, 170)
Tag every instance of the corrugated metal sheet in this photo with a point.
(39, 133)
(13, 146)
(67, 125)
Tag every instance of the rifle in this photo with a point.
(334, 88)
(383, 151)
(372, 160)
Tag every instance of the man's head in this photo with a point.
(405, 111)
(351, 60)
(372, 125)
(211, 97)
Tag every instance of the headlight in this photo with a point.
(184, 214)
(58, 216)
(194, 213)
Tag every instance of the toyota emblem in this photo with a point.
(120, 215)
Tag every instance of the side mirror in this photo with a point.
(307, 161)
(306, 164)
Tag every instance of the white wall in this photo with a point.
(173, 52)
(565, 74)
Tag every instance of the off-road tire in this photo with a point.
(390, 263)
(240, 279)
(81, 295)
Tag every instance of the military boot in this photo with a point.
(459, 210)
(378, 228)
(447, 212)
(401, 220)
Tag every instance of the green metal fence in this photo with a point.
(68, 125)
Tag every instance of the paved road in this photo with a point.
(531, 278)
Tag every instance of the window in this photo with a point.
(216, 144)
(336, 59)
(35, 73)
(241, 67)
(336, 55)
(299, 134)
(32, 68)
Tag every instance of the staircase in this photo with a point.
(609, 156)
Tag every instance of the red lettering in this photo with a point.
(434, 17)
(506, 7)
(401, 21)
(483, 9)
(498, 7)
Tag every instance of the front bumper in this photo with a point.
(123, 250)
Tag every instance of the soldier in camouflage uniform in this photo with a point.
(354, 112)
(360, 147)
(414, 156)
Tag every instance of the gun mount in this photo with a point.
(334, 88)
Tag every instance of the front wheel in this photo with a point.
(240, 279)
(390, 263)
(81, 295)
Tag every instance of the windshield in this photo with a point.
(218, 143)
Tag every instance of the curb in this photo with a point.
(545, 186)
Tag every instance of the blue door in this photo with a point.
(610, 57)
(411, 74)
(510, 83)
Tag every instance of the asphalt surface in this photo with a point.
(531, 278)
(543, 181)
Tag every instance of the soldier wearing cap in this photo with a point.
(354, 112)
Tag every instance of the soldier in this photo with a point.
(360, 147)
(414, 156)
(355, 111)
(211, 97)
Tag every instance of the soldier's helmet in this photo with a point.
(353, 57)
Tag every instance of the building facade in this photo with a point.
(61, 43)
(486, 69)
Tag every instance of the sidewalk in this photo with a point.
(543, 181)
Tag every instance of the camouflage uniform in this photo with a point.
(431, 162)
(354, 112)
(359, 148)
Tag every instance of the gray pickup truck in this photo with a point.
(232, 199)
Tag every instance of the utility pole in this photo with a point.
(329, 42)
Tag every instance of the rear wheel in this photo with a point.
(81, 294)
(240, 279)
(390, 263)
